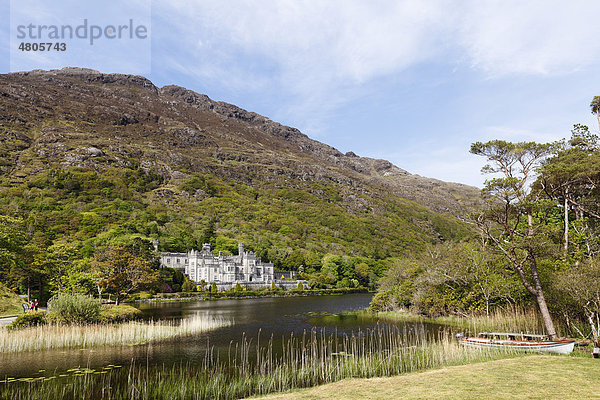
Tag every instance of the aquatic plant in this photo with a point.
(253, 367)
(55, 336)
(524, 320)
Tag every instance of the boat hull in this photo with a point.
(548, 346)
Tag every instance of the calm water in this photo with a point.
(276, 317)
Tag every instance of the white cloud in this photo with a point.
(322, 54)
(346, 42)
(318, 53)
(343, 42)
(532, 37)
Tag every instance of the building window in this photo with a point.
(168, 261)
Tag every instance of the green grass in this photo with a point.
(10, 303)
(532, 377)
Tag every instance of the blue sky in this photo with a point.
(414, 82)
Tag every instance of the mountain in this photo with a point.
(87, 156)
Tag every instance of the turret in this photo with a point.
(241, 249)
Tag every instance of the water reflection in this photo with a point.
(275, 318)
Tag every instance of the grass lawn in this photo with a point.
(10, 303)
(530, 377)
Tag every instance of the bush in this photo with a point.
(383, 301)
(189, 286)
(75, 308)
(29, 319)
(141, 296)
(300, 286)
(120, 313)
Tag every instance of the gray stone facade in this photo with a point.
(245, 268)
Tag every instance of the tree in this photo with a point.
(209, 233)
(14, 265)
(213, 288)
(188, 285)
(300, 286)
(582, 286)
(365, 275)
(58, 262)
(119, 271)
(570, 179)
(486, 273)
(203, 285)
(293, 261)
(595, 107)
(144, 249)
(79, 278)
(514, 220)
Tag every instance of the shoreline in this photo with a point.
(130, 333)
(251, 295)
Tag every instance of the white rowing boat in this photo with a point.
(519, 342)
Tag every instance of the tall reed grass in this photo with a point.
(515, 320)
(255, 366)
(54, 336)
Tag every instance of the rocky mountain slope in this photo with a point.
(196, 150)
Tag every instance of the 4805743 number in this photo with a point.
(25, 46)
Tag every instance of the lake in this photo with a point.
(276, 317)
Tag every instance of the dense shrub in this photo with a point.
(120, 313)
(74, 308)
(188, 286)
(142, 296)
(29, 319)
(383, 301)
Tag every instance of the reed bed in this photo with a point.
(55, 336)
(255, 366)
(515, 320)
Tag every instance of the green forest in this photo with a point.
(77, 230)
(89, 228)
(95, 169)
(535, 244)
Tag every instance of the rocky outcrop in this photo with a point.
(82, 117)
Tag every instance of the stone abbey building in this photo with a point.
(245, 268)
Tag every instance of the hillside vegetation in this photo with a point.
(89, 160)
(10, 303)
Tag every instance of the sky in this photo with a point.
(414, 82)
